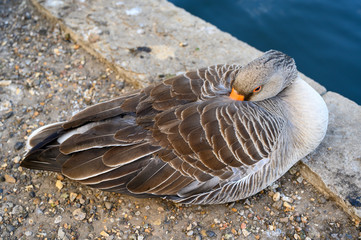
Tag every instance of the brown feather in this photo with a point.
(209, 159)
(140, 184)
(119, 156)
(97, 112)
(117, 172)
(131, 134)
(161, 189)
(175, 186)
(85, 164)
(140, 181)
(114, 184)
(51, 130)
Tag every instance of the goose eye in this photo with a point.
(257, 89)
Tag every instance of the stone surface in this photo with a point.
(337, 161)
(9, 179)
(131, 37)
(79, 214)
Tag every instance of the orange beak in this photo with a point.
(235, 96)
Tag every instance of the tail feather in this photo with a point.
(43, 150)
(33, 161)
(44, 135)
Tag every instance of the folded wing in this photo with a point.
(182, 139)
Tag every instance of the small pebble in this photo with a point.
(300, 179)
(243, 225)
(9, 179)
(80, 199)
(58, 219)
(322, 200)
(42, 31)
(287, 199)
(190, 233)
(79, 214)
(157, 222)
(16, 159)
(245, 232)
(132, 237)
(108, 205)
(228, 236)
(27, 16)
(28, 233)
(59, 184)
(17, 210)
(10, 228)
(64, 195)
(4, 83)
(140, 31)
(27, 62)
(287, 205)
(60, 177)
(72, 196)
(189, 227)
(277, 205)
(210, 233)
(18, 145)
(61, 233)
(276, 197)
(293, 171)
(8, 115)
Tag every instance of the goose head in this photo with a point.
(264, 77)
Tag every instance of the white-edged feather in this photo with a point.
(36, 132)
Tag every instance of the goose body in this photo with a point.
(186, 139)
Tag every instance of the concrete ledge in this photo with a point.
(335, 167)
(117, 32)
(147, 40)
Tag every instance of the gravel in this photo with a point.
(46, 77)
(79, 214)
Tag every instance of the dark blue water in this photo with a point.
(323, 36)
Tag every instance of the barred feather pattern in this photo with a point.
(182, 139)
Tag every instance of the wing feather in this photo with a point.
(85, 164)
(122, 155)
(98, 112)
(182, 138)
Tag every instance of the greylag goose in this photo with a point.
(215, 135)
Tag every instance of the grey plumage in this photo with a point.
(185, 139)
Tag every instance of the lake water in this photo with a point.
(324, 37)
